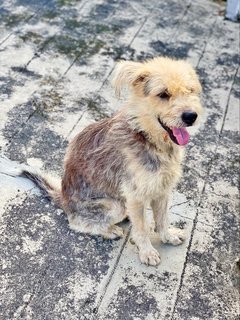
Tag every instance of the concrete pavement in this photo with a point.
(56, 59)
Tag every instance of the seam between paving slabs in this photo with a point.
(206, 42)
(74, 126)
(44, 272)
(33, 57)
(13, 32)
(78, 55)
(104, 81)
(59, 79)
(134, 37)
(111, 273)
(45, 43)
(24, 20)
(195, 221)
(70, 66)
(36, 54)
(6, 174)
(137, 33)
(185, 12)
(226, 110)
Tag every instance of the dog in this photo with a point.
(118, 166)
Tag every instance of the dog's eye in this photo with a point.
(164, 95)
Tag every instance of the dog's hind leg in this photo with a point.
(97, 217)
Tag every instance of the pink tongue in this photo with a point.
(181, 135)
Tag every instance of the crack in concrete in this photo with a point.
(180, 215)
(179, 204)
(190, 219)
(225, 196)
(6, 174)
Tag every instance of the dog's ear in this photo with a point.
(129, 73)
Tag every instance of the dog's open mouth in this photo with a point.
(179, 136)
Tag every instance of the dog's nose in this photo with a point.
(189, 117)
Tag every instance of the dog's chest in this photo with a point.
(157, 172)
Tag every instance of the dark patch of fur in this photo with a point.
(148, 160)
(143, 151)
(92, 211)
(86, 191)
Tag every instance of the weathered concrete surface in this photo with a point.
(56, 60)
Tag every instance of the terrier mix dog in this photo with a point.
(118, 166)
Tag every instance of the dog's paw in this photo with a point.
(114, 233)
(149, 256)
(173, 236)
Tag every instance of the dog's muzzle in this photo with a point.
(179, 136)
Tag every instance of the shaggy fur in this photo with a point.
(118, 166)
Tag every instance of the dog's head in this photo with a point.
(164, 95)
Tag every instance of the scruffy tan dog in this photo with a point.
(118, 166)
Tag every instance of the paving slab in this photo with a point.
(56, 61)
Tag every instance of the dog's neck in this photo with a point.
(149, 131)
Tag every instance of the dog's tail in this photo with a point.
(50, 185)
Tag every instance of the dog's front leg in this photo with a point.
(147, 253)
(160, 213)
